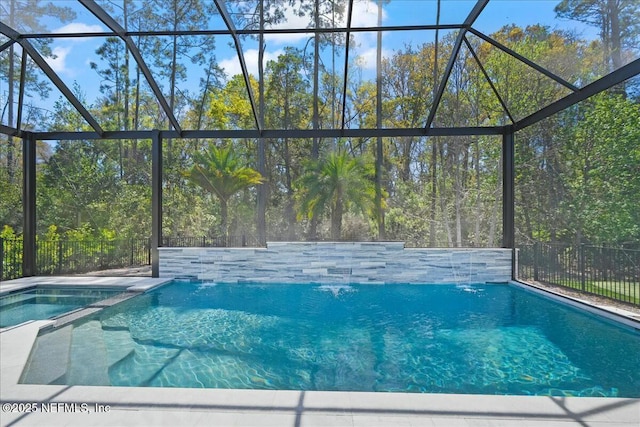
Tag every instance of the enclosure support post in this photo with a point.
(156, 202)
(508, 195)
(29, 205)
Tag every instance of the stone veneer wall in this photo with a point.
(337, 262)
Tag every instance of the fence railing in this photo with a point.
(63, 256)
(602, 270)
(235, 241)
(10, 259)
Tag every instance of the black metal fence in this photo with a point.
(10, 258)
(236, 241)
(74, 256)
(63, 256)
(602, 270)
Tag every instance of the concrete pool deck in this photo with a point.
(131, 284)
(58, 405)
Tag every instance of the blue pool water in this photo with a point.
(483, 339)
(45, 303)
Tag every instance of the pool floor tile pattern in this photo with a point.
(132, 406)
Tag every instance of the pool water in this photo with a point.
(481, 339)
(45, 303)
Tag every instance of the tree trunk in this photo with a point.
(458, 208)
(289, 213)
(379, 151)
(407, 145)
(336, 216)
(494, 217)
(261, 220)
(127, 89)
(224, 221)
(434, 192)
(443, 204)
(136, 113)
(457, 190)
(315, 147)
(136, 121)
(476, 161)
(434, 144)
(10, 141)
(172, 78)
(615, 37)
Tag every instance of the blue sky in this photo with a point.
(74, 54)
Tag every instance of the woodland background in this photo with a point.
(577, 173)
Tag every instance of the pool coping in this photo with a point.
(130, 284)
(609, 312)
(87, 405)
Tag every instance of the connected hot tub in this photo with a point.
(39, 303)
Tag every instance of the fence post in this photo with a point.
(131, 263)
(582, 267)
(536, 249)
(604, 258)
(60, 256)
(1, 258)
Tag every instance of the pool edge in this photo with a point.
(610, 313)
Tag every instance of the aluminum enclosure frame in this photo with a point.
(507, 132)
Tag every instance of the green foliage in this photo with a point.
(10, 200)
(11, 250)
(603, 180)
(577, 173)
(617, 21)
(7, 232)
(79, 178)
(221, 172)
(405, 218)
(337, 183)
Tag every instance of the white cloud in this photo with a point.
(232, 65)
(291, 21)
(366, 59)
(365, 14)
(63, 49)
(79, 27)
(58, 61)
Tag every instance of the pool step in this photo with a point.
(141, 365)
(116, 321)
(88, 364)
(119, 345)
(49, 358)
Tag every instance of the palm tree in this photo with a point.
(221, 172)
(337, 182)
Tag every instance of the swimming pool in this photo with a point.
(478, 339)
(45, 303)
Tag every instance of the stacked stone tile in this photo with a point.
(337, 262)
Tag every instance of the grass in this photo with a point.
(621, 291)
